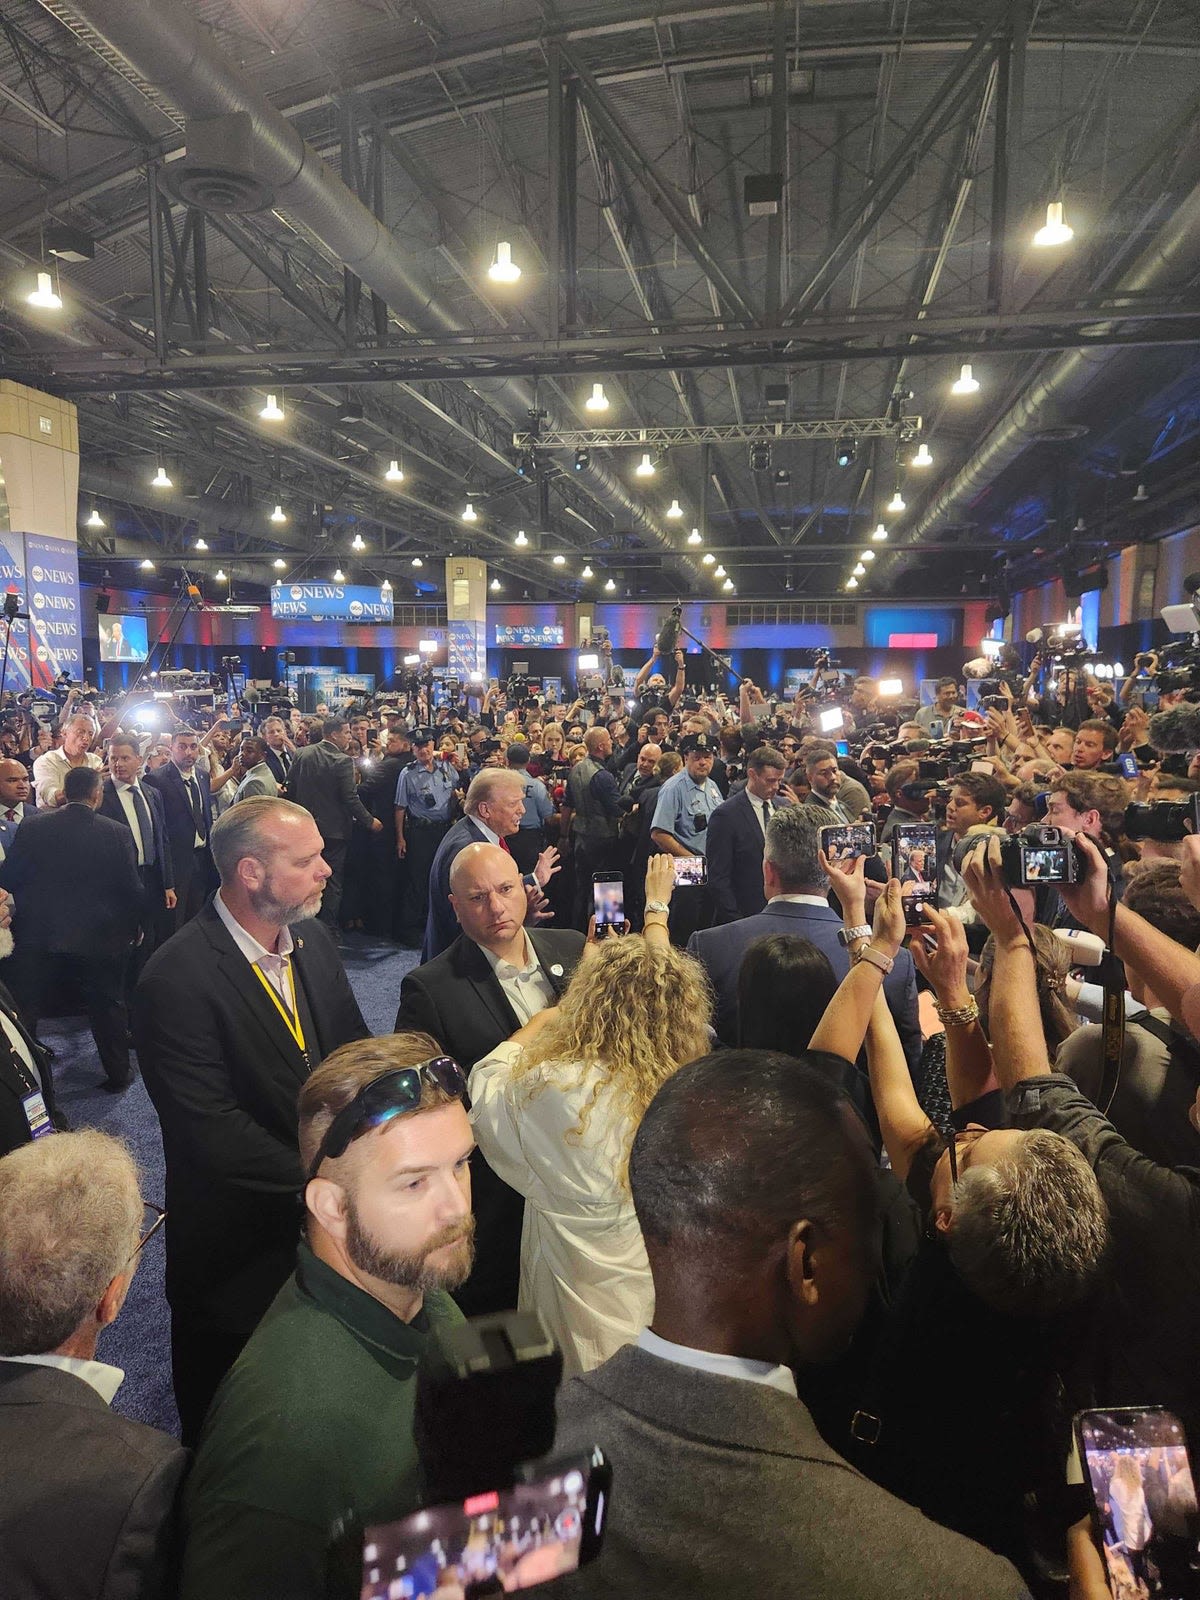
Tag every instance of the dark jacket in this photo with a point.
(377, 791)
(322, 781)
(87, 1497)
(726, 1478)
(441, 925)
(14, 1126)
(721, 951)
(74, 879)
(110, 806)
(181, 828)
(734, 848)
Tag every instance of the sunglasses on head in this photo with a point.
(390, 1095)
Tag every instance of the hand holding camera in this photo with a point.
(943, 963)
(987, 884)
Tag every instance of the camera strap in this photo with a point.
(1112, 976)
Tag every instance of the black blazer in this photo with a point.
(74, 879)
(224, 1076)
(458, 1000)
(14, 1129)
(110, 806)
(89, 1497)
(181, 825)
(275, 761)
(441, 925)
(322, 781)
(734, 849)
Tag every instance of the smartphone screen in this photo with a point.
(495, 1542)
(831, 720)
(1143, 1500)
(979, 765)
(608, 899)
(690, 871)
(844, 843)
(842, 746)
(1128, 764)
(914, 862)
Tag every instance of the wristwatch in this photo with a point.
(658, 905)
(847, 936)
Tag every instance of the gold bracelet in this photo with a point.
(957, 1016)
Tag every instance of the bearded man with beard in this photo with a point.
(230, 1016)
(315, 1421)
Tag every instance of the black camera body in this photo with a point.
(933, 771)
(993, 702)
(1165, 821)
(989, 688)
(1041, 854)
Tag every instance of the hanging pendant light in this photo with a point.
(694, 536)
(966, 382)
(674, 510)
(469, 513)
(922, 457)
(645, 467)
(279, 514)
(160, 479)
(504, 269)
(879, 533)
(44, 297)
(394, 473)
(272, 411)
(597, 400)
(97, 521)
(896, 503)
(1055, 231)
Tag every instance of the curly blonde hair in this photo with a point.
(637, 1010)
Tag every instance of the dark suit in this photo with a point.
(734, 848)
(728, 1488)
(280, 762)
(322, 781)
(157, 874)
(192, 868)
(457, 999)
(15, 1081)
(721, 951)
(377, 792)
(78, 899)
(224, 1073)
(441, 925)
(88, 1497)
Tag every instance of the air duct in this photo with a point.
(171, 51)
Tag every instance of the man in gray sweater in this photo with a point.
(753, 1184)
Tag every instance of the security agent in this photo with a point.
(424, 812)
(680, 826)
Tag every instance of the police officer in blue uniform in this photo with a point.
(685, 803)
(425, 792)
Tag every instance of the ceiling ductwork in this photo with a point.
(1170, 262)
(171, 52)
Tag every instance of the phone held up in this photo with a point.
(691, 872)
(914, 863)
(846, 842)
(608, 902)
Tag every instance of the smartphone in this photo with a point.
(1143, 1499)
(845, 842)
(980, 765)
(608, 900)
(914, 863)
(842, 746)
(550, 1522)
(690, 871)
(831, 720)
(1127, 762)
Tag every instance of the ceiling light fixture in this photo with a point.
(279, 564)
(709, 558)
(718, 571)
(417, 562)
(339, 576)
(521, 540)
(609, 584)
(852, 583)
(1139, 498)
(44, 297)
(728, 584)
(97, 521)
(385, 587)
(560, 561)
(495, 585)
(160, 479)
(504, 269)
(1055, 231)
(147, 565)
(201, 544)
(597, 400)
(674, 509)
(279, 514)
(358, 542)
(587, 572)
(394, 473)
(866, 555)
(896, 503)
(220, 576)
(879, 533)
(272, 411)
(922, 457)
(645, 467)
(966, 382)
(860, 571)
(469, 513)
(694, 536)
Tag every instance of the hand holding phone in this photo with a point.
(914, 864)
(608, 900)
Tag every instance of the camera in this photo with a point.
(1041, 854)
(932, 772)
(993, 702)
(989, 688)
(1165, 821)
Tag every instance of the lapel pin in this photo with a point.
(556, 971)
(299, 944)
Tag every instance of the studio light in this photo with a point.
(966, 382)
(279, 514)
(583, 460)
(866, 555)
(160, 479)
(890, 687)
(718, 572)
(44, 297)
(922, 457)
(709, 558)
(844, 452)
(427, 647)
(645, 467)
(504, 269)
(674, 510)
(859, 570)
(385, 587)
(1055, 230)
(1139, 498)
(394, 473)
(97, 521)
(272, 411)
(694, 536)
(728, 584)
(597, 400)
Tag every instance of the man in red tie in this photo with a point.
(14, 798)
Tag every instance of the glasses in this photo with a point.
(153, 1218)
(970, 1137)
(391, 1095)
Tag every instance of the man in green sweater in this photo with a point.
(315, 1419)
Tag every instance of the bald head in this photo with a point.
(488, 896)
(14, 785)
(598, 743)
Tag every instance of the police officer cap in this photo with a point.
(422, 736)
(701, 743)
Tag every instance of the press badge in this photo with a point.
(36, 1115)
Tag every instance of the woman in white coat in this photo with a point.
(555, 1109)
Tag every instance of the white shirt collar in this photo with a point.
(98, 1375)
(246, 942)
(507, 969)
(799, 900)
(489, 835)
(742, 1367)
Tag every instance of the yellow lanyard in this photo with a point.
(291, 1019)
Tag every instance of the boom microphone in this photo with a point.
(1177, 731)
(670, 633)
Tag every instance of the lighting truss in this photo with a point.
(834, 428)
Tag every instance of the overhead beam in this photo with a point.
(719, 433)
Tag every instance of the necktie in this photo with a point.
(504, 847)
(193, 794)
(766, 805)
(285, 761)
(145, 826)
(11, 815)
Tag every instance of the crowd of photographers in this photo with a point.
(822, 1071)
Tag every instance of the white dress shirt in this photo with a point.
(583, 1263)
(489, 834)
(125, 793)
(526, 988)
(49, 771)
(741, 1367)
(20, 1049)
(98, 1375)
(268, 962)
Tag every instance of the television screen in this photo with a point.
(123, 639)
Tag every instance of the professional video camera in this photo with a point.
(1063, 644)
(1041, 854)
(1165, 821)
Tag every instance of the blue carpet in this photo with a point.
(139, 1341)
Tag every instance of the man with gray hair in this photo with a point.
(230, 1017)
(494, 806)
(796, 890)
(52, 766)
(89, 1496)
